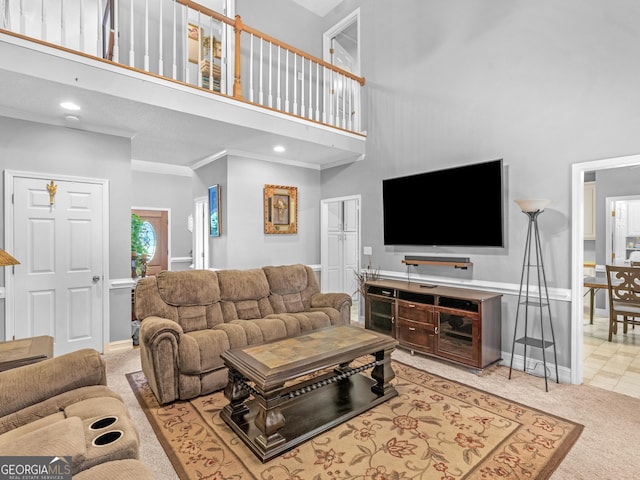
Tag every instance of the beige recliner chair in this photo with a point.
(62, 407)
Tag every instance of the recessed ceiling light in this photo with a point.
(69, 106)
(278, 148)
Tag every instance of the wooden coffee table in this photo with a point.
(284, 409)
(16, 353)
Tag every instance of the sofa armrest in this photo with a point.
(339, 301)
(153, 328)
(38, 381)
(160, 340)
(334, 300)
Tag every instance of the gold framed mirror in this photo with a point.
(280, 209)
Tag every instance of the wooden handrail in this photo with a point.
(333, 101)
(239, 26)
(300, 53)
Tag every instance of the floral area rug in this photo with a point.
(434, 429)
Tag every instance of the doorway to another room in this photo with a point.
(154, 235)
(341, 47)
(595, 361)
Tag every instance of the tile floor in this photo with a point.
(611, 365)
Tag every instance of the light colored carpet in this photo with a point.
(606, 448)
(434, 427)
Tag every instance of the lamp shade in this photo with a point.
(533, 205)
(6, 259)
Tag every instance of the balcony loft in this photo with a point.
(175, 108)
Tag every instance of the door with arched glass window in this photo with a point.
(154, 235)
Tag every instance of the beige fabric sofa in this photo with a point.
(189, 318)
(62, 407)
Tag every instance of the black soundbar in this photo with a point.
(419, 258)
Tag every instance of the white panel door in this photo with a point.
(333, 265)
(350, 246)
(340, 244)
(58, 284)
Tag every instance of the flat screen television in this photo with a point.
(460, 206)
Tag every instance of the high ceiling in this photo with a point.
(319, 7)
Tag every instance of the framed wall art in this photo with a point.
(214, 211)
(280, 209)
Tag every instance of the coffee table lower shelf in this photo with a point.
(309, 415)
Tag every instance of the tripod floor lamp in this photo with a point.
(528, 302)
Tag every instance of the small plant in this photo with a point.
(137, 246)
(366, 275)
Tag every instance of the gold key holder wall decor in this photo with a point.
(51, 188)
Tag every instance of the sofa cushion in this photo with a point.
(192, 317)
(244, 294)
(312, 320)
(31, 426)
(293, 324)
(54, 404)
(291, 288)
(286, 279)
(236, 335)
(334, 315)
(291, 303)
(260, 330)
(71, 371)
(62, 438)
(149, 303)
(200, 351)
(96, 407)
(236, 285)
(192, 287)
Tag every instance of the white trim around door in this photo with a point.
(9, 177)
(577, 262)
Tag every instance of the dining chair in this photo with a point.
(623, 283)
(634, 258)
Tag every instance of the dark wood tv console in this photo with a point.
(457, 324)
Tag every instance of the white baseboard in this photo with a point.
(535, 367)
(119, 346)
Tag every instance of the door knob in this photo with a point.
(96, 278)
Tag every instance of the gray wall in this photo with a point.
(540, 84)
(285, 20)
(450, 85)
(34, 147)
(243, 243)
(169, 192)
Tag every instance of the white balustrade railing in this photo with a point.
(189, 43)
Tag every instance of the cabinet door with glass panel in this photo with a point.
(459, 330)
(380, 310)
